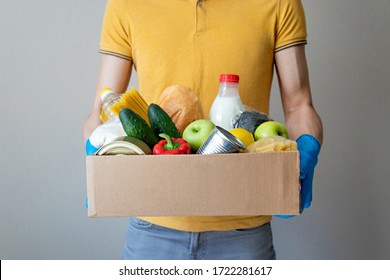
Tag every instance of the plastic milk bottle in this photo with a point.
(227, 105)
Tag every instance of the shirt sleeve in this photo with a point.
(291, 25)
(115, 34)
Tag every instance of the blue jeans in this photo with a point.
(146, 241)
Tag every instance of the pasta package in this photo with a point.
(272, 144)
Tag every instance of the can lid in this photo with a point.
(229, 78)
(126, 145)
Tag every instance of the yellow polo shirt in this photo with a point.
(190, 42)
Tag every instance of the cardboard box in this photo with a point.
(193, 185)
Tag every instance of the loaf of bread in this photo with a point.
(182, 105)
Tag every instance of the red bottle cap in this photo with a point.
(229, 78)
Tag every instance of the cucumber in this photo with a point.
(161, 122)
(135, 126)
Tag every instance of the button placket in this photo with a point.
(200, 17)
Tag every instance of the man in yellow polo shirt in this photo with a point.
(191, 43)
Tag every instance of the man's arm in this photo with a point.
(300, 115)
(114, 73)
(302, 121)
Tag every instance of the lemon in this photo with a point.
(244, 135)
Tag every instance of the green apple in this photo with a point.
(270, 128)
(197, 132)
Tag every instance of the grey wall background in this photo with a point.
(48, 72)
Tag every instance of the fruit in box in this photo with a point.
(270, 128)
(243, 135)
(197, 132)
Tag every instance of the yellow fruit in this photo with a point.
(244, 135)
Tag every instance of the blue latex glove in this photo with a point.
(89, 150)
(309, 149)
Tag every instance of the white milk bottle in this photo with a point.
(227, 105)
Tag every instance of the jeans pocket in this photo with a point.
(138, 223)
(254, 229)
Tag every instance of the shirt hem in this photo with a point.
(286, 46)
(115, 54)
(199, 226)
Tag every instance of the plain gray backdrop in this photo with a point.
(48, 72)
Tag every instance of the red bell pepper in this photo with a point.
(171, 146)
